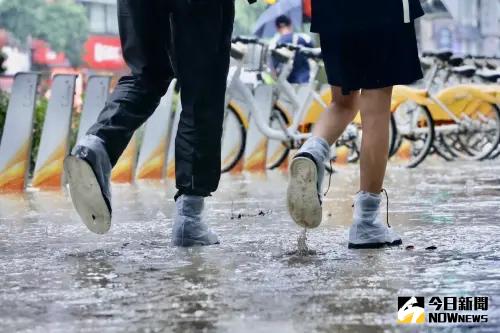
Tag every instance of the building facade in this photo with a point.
(469, 27)
(102, 51)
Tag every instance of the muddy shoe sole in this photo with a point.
(86, 195)
(302, 194)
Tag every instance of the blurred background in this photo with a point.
(81, 37)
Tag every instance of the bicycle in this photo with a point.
(451, 120)
(281, 124)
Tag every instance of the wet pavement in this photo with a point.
(55, 276)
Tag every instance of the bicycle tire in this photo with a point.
(275, 164)
(442, 149)
(229, 165)
(393, 137)
(494, 154)
(495, 144)
(417, 158)
(462, 149)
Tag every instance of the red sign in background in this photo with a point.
(44, 55)
(307, 8)
(103, 53)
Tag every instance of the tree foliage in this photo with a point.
(246, 16)
(61, 23)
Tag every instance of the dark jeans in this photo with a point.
(188, 39)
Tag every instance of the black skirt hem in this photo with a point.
(371, 58)
(346, 90)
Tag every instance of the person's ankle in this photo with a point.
(367, 202)
(366, 193)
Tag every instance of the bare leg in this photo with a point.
(375, 116)
(307, 167)
(341, 113)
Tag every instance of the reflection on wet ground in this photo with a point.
(56, 276)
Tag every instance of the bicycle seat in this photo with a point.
(289, 46)
(456, 61)
(246, 40)
(443, 55)
(491, 65)
(237, 52)
(311, 53)
(282, 55)
(478, 64)
(490, 76)
(465, 71)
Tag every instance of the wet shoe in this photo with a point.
(368, 230)
(304, 187)
(88, 171)
(189, 228)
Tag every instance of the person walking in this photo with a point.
(188, 39)
(368, 47)
(301, 70)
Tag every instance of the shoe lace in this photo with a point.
(329, 179)
(386, 207)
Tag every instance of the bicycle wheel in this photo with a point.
(415, 131)
(394, 143)
(441, 149)
(233, 139)
(277, 151)
(354, 152)
(494, 154)
(480, 136)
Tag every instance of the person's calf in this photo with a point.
(339, 114)
(375, 114)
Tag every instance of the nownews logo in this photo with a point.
(442, 310)
(411, 310)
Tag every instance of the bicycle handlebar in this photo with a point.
(289, 46)
(247, 40)
(308, 52)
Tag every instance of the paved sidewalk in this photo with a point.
(56, 276)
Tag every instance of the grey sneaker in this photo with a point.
(304, 187)
(88, 171)
(368, 230)
(189, 228)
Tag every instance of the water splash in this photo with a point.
(302, 248)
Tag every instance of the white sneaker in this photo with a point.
(368, 230)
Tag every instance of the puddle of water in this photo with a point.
(55, 276)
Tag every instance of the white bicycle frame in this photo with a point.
(428, 86)
(287, 89)
(236, 86)
(302, 104)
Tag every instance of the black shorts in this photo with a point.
(371, 58)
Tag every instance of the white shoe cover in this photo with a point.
(369, 230)
(189, 228)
